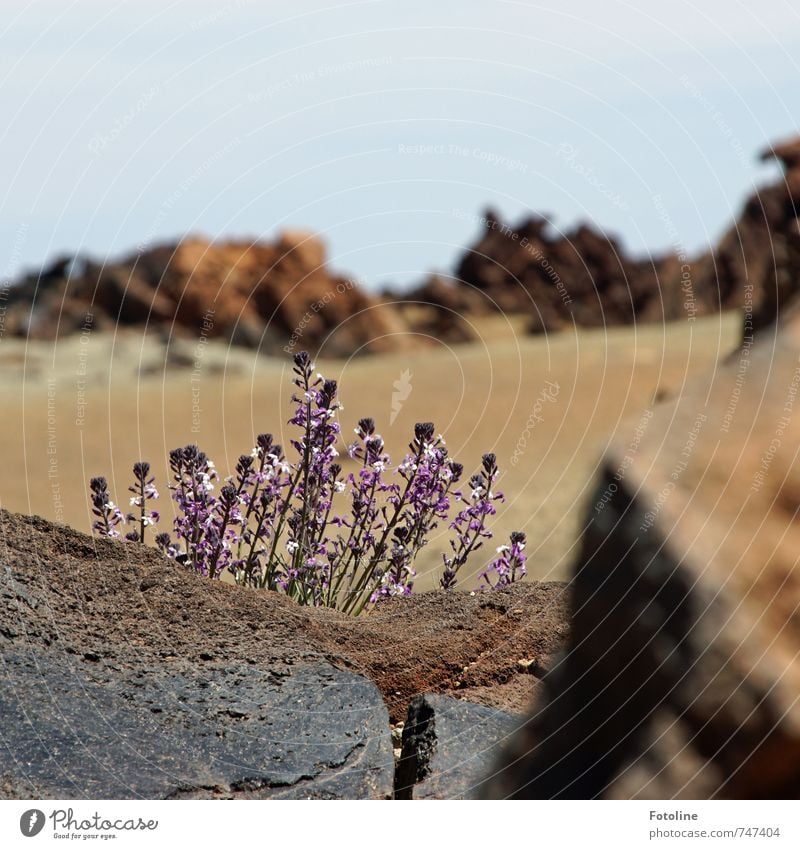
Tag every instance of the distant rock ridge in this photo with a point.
(274, 296)
(281, 296)
(583, 276)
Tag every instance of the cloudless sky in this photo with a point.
(385, 125)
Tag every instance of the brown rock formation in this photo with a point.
(581, 276)
(441, 309)
(586, 277)
(757, 262)
(259, 294)
(682, 671)
(282, 294)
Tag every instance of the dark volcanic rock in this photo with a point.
(681, 674)
(450, 747)
(179, 731)
(559, 279)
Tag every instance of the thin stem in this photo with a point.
(141, 510)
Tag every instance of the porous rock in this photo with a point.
(78, 730)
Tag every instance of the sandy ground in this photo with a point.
(546, 406)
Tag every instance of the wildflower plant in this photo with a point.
(470, 523)
(310, 529)
(509, 565)
(143, 490)
(107, 514)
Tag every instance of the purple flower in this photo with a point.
(414, 512)
(351, 570)
(107, 514)
(164, 544)
(307, 508)
(143, 490)
(509, 565)
(470, 523)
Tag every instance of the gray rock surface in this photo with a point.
(450, 747)
(77, 728)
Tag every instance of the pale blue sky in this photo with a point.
(125, 123)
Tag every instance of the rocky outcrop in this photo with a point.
(270, 296)
(681, 674)
(557, 279)
(585, 277)
(757, 262)
(166, 679)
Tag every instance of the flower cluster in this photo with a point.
(429, 476)
(470, 523)
(308, 529)
(107, 514)
(143, 490)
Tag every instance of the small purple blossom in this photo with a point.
(419, 506)
(509, 565)
(470, 523)
(143, 490)
(107, 514)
